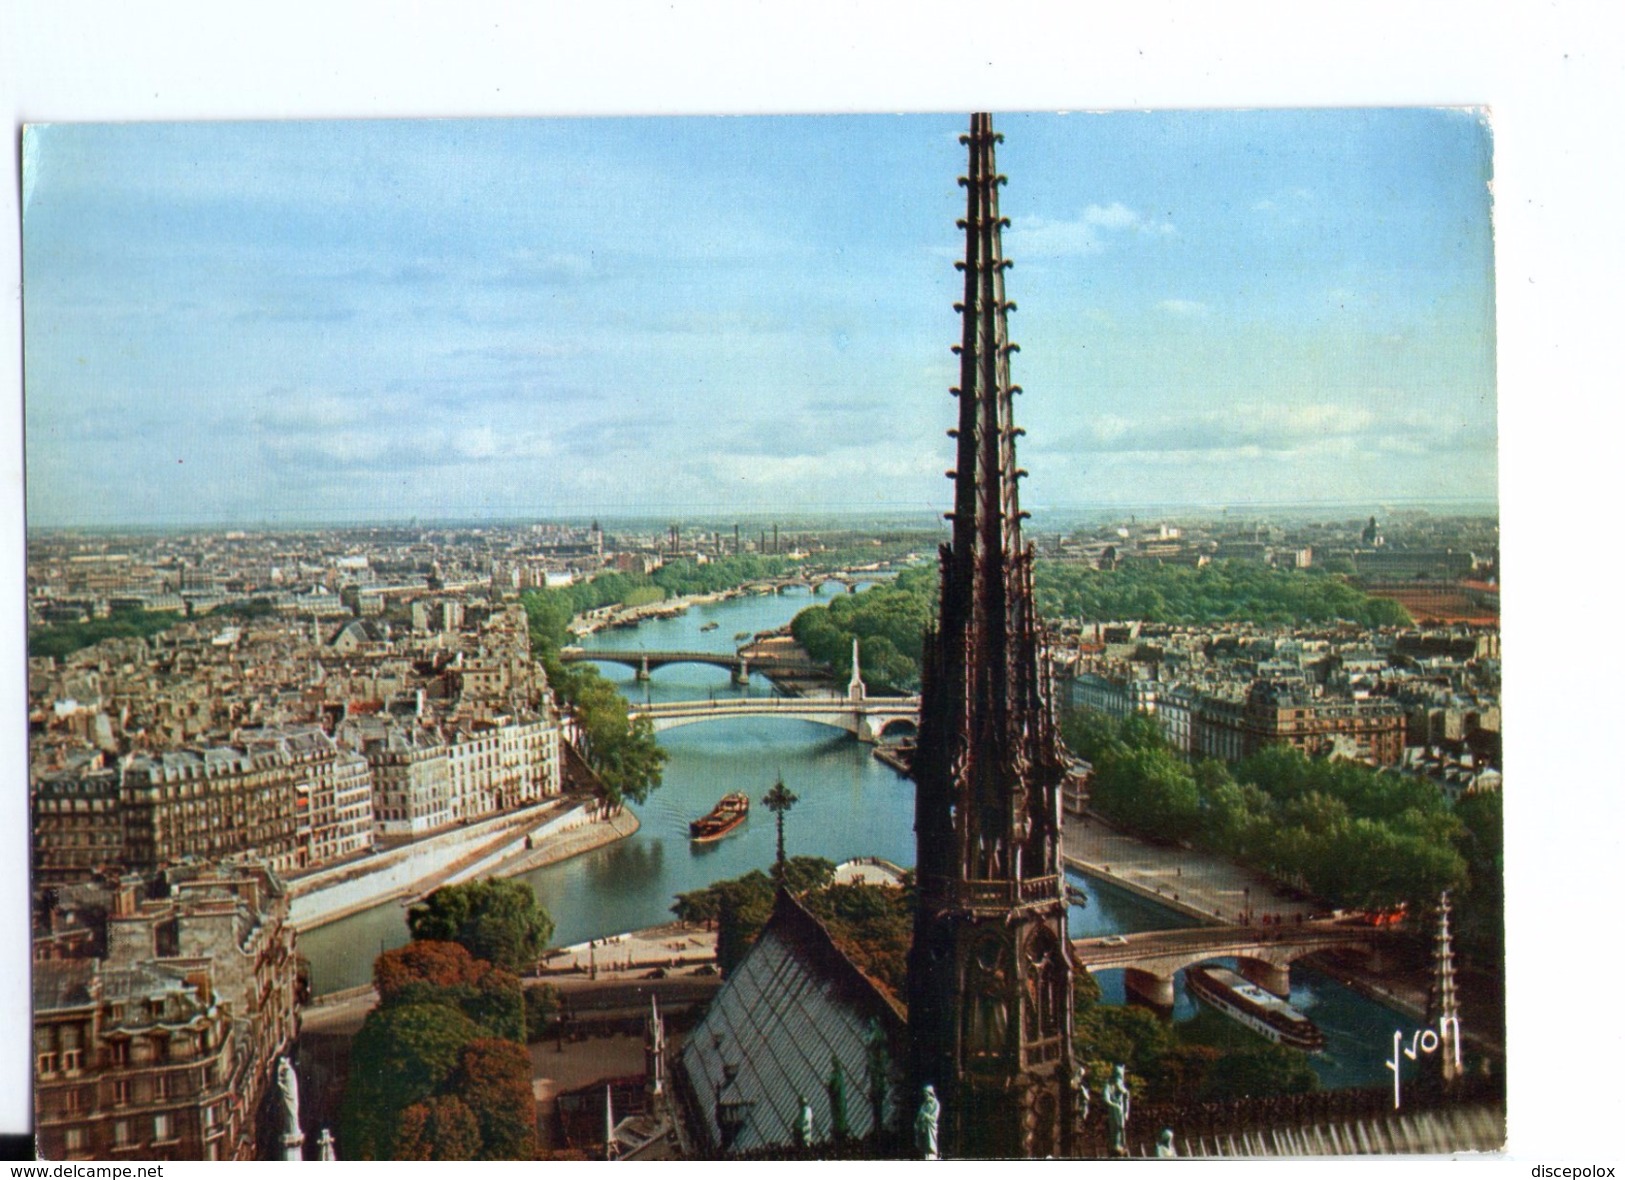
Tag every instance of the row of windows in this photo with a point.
(125, 1131)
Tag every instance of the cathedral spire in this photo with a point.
(1444, 1011)
(987, 513)
(990, 980)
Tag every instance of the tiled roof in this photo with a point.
(793, 1007)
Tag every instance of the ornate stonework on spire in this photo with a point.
(1444, 1011)
(990, 973)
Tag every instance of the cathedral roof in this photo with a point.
(795, 1005)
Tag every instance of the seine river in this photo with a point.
(850, 805)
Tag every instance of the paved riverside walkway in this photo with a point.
(1200, 884)
(676, 947)
(564, 845)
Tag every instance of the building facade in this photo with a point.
(332, 789)
(411, 777)
(163, 1045)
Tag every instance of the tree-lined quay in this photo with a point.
(1343, 833)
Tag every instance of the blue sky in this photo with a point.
(287, 322)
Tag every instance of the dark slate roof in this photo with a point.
(62, 984)
(794, 1005)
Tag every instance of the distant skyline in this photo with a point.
(307, 322)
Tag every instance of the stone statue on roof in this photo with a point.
(1165, 1144)
(1115, 1094)
(837, 1100)
(287, 1084)
(804, 1124)
(925, 1123)
(879, 1069)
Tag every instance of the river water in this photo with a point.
(850, 805)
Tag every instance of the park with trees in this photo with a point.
(439, 1069)
(1344, 832)
(889, 619)
(59, 640)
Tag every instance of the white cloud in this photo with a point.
(1251, 430)
(1088, 233)
(1187, 307)
(1113, 216)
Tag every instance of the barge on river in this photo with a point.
(722, 819)
(1247, 1003)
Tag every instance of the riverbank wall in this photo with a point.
(1100, 872)
(564, 842)
(460, 854)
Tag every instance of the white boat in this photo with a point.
(1247, 1003)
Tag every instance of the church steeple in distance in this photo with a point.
(990, 971)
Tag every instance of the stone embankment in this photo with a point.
(617, 615)
(528, 838)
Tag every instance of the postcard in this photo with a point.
(951, 636)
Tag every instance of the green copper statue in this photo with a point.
(1116, 1097)
(879, 1068)
(838, 1129)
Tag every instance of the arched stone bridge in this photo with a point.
(815, 582)
(866, 719)
(645, 662)
(1263, 953)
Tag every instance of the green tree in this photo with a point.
(801, 875)
(1350, 834)
(423, 961)
(889, 618)
(497, 1004)
(493, 1081)
(496, 920)
(644, 596)
(740, 907)
(1264, 1072)
(439, 1128)
(621, 751)
(403, 1054)
(873, 924)
(742, 911)
(1218, 592)
(541, 1005)
(63, 639)
(1481, 906)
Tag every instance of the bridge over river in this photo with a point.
(1263, 953)
(865, 718)
(741, 663)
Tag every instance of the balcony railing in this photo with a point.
(1001, 894)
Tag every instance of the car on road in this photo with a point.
(1114, 940)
